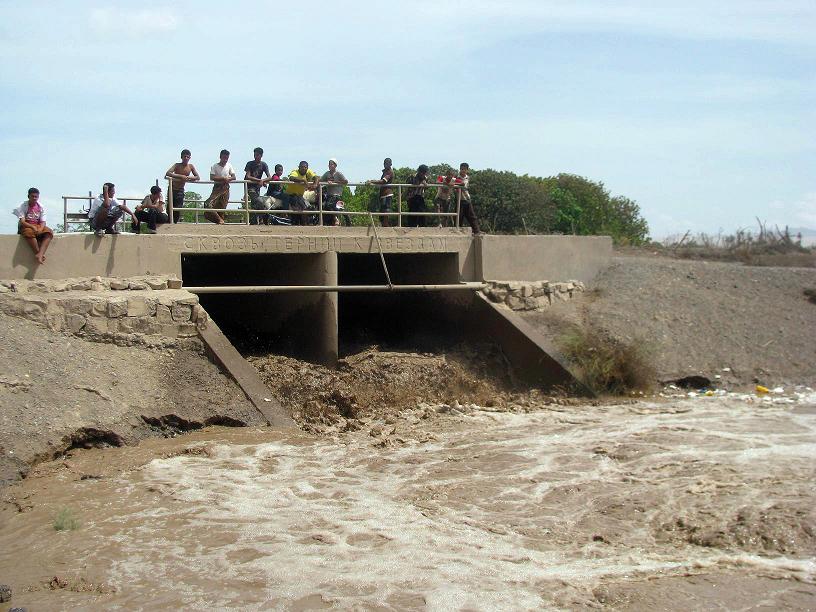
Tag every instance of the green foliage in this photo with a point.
(607, 365)
(65, 520)
(508, 203)
(564, 204)
(191, 200)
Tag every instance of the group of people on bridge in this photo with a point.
(297, 190)
(293, 195)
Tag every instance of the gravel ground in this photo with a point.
(700, 317)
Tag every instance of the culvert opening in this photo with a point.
(261, 323)
(415, 320)
(290, 323)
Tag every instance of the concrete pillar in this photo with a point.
(327, 330)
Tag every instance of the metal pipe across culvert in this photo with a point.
(325, 288)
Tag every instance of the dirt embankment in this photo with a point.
(59, 392)
(743, 323)
(378, 385)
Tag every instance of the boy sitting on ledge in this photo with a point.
(32, 227)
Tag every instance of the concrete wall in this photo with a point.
(486, 257)
(543, 257)
(75, 255)
(83, 254)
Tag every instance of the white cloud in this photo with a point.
(788, 21)
(133, 22)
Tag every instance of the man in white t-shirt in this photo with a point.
(222, 174)
(106, 210)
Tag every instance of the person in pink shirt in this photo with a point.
(31, 225)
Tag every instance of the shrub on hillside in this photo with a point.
(608, 365)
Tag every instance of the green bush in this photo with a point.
(65, 520)
(608, 365)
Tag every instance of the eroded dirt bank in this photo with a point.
(378, 384)
(59, 391)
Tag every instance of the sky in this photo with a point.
(704, 113)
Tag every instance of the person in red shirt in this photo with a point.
(443, 195)
(31, 225)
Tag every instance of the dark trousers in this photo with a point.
(151, 216)
(330, 204)
(296, 202)
(255, 203)
(416, 204)
(104, 221)
(178, 203)
(466, 210)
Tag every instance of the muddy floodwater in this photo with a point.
(684, 503)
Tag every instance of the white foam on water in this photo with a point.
(455, 522)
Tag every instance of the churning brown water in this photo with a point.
(678, 504)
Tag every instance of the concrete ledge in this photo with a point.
(536, 257)
(236, 229)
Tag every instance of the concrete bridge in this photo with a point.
(313, 272)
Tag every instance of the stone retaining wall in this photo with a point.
(136, 310)
(531, 295)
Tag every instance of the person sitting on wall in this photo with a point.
(416, 197)
(299, 180)
(179, 174)
(31, 224)
(106, 211)
(151, 211)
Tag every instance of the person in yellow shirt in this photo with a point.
(300, 179)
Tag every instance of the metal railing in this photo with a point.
(319, 209)
(81, 217)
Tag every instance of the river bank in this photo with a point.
(743, 324)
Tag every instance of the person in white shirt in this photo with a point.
(106, 210)
(466, 203)
(31, 224)
(151, 211)
(222, 174)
